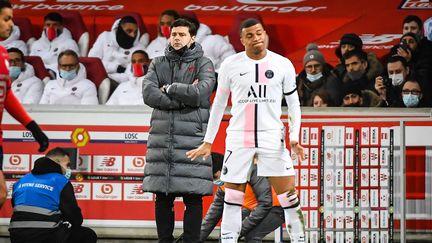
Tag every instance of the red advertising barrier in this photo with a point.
(112, 147)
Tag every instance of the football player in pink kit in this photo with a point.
(257, 79)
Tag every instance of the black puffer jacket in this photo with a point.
(178, 122)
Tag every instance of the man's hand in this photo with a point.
(203, 150)
(380, 86)
(298, 150)
(404, 53)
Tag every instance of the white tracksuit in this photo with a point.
(27, 87)
(79, 90)
(128, 93)
(13, 41)
(49, 50)
(109, 51)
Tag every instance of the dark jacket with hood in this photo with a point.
(263, 193)
(68, 207)
(178, 122)
(328, 82)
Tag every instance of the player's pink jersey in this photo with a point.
(257, 88)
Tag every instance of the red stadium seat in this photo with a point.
(144, 39)
(97, 74)
(39, 67)
(26, 29)
(233, 35)
(74, 22)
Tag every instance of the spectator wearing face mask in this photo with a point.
(115, 47)
(130, 92)
(72, 86)
(13, 41)
(349, 42)
(55, 38)
(411, 94)
(316, 75)
(156, 48)
(25, 85)
(357, 69)
(389, 86)
(355, 96)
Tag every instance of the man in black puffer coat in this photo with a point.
(178, 86)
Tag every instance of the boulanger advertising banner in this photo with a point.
(291, 24)
(344, 183)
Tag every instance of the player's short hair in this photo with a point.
(248, 23)
(16, 50)
(185, 23)
(5, 4)
(54, 16)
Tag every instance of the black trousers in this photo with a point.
(61, 234)
(192, 218)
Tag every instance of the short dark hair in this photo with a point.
(141, 52)
(355, 52)
(185, 23)
(57, 152)
(248, 23)
(16, 50)
(68, 52)
(415, 18)
(190, 16)
(54, 16)
(217, 159)
(170, 12)
(396, 58)
(5, 4)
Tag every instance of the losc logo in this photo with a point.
(269, 2)
(107, 189)
(138, 161)
(15, 160)
(78, 188)
(108, 161)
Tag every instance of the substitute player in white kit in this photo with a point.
(256, 79)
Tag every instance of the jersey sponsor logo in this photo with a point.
(258, 92)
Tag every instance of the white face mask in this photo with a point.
(314, 77)
(397, 79)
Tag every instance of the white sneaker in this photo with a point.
(297, 238)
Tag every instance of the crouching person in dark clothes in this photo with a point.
(44, 204)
